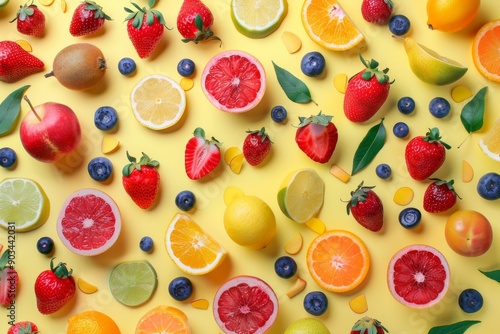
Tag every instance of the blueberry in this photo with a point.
(383, 171)
(439, 107)
(105, 118)
(401, 129)
(8, 157)
(399, 25)
(180, 288)
(278, 114)
(470, 300)
(488, 186)
(100, 168)
(186, 67)
(126, 66)
(185, 200)
(312, 64)
(315, 303)
(406, 105)
(146, 244)
(409, 218)
(45, 245)
(285, 267)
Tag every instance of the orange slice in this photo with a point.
(163, 319)
(485, 48)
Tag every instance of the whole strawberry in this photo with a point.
(54, 288)
(16, 63)
(8, 279)
(425, 154)
(367, 325)
(23, 327)
(377, 11)
(256, 146)
(194, 22)
(30, 20)
(87, 19)
(366, 92)
(201, 155)
(141, 180)
(317, 137)
(439, 196)
(366, 207)
(145, 28)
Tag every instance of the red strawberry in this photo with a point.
(367, 325)
(16, 63)
(377, 11)
(145, 28)
(439, 196)
(8, 280)
(256, 146)
(194, 22)
(366, 92)
(87, 18)
(424, 155)
(54, 288)
(141, 180)
(30, 20)
(317, 137)
(23, 327)
(201, 155)
(366, 207)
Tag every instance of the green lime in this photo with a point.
(307, 326)
(256, 18)
(133, 283)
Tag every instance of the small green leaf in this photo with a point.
(294, 88)
(494, 274)
(9, 109)
(371, 144)
(473, 112)
(456, 328)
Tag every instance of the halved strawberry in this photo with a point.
(317, 137)
(201, 155)
(8, 280)
(23, 327)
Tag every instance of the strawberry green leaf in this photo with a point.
(293, 87)
(473, 112)
(494, 274)
(371, 144)
(9, 109)
(455, 328)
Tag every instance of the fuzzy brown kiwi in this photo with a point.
(79, 66)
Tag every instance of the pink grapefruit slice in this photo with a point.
(89, 222)
(418, 276)
(245, 304)
(234, 81)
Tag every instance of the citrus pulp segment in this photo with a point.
(234, 81)
(490, 143)
(327, 24)
(24, 206)
(485, 50)
(190, 248)
(91, 321)
(418, 276)
(256, 18)
(133, 283)
(89, 222)
(338, 260)
(163, 319)
(85, 286)
(158, 102)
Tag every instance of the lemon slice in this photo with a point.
(490, 143)
(133, 283)
(257, 18)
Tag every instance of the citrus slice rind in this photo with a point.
(133, 283)
(485, 47)
(490, 143)
(163, 319)
(256, 18)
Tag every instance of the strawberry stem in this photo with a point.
(61, 271)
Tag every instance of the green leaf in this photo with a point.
(371, 144)
(494, 274)
(9, 109)
(456, 328)
(295, 89)
(473, 112)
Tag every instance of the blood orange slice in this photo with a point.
(234, 81)
(245, 304)
(89, 222)
(418, 276)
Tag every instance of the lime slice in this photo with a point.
(257, 18)
(133, 283)
(23, 205)
(3, 3)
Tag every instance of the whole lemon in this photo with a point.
(451, 15)
(307, 326)
(92, 322)
(250, 222)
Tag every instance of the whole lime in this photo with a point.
(307, 326)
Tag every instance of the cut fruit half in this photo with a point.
(485, 48)
(490, 143)
(256, 18)
(163, 319)
(133, 283)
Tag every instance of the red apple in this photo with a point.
(50, 131)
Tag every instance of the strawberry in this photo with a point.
(23, 327)
(30, 20)
(366, 92)
(87, 18)
(376, 11)
(256, 146)
(367, 325)
(194, 22)
(366, 207)
(425, 154)
(145, 28)
(317, 137)
(141, 180)
(16, 63)
(439, 196)
(54, 288)
(201, 155)
(8, 279)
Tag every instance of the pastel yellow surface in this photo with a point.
(61, 179)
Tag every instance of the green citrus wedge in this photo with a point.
(258, 18)
(3, 3)
(133, 283)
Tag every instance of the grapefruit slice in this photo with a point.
(245, 304)
(89, 222)
(418, 276)
(234, 81)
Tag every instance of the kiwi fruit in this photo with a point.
(79, 66)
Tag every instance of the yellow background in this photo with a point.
(168, 148)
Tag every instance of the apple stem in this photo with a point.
(31, 107)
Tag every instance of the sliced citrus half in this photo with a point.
(486, 50)
(338, 260)
(257, 18)
(163, 319)
(158, 102)
(133, 283)
(490, 143)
